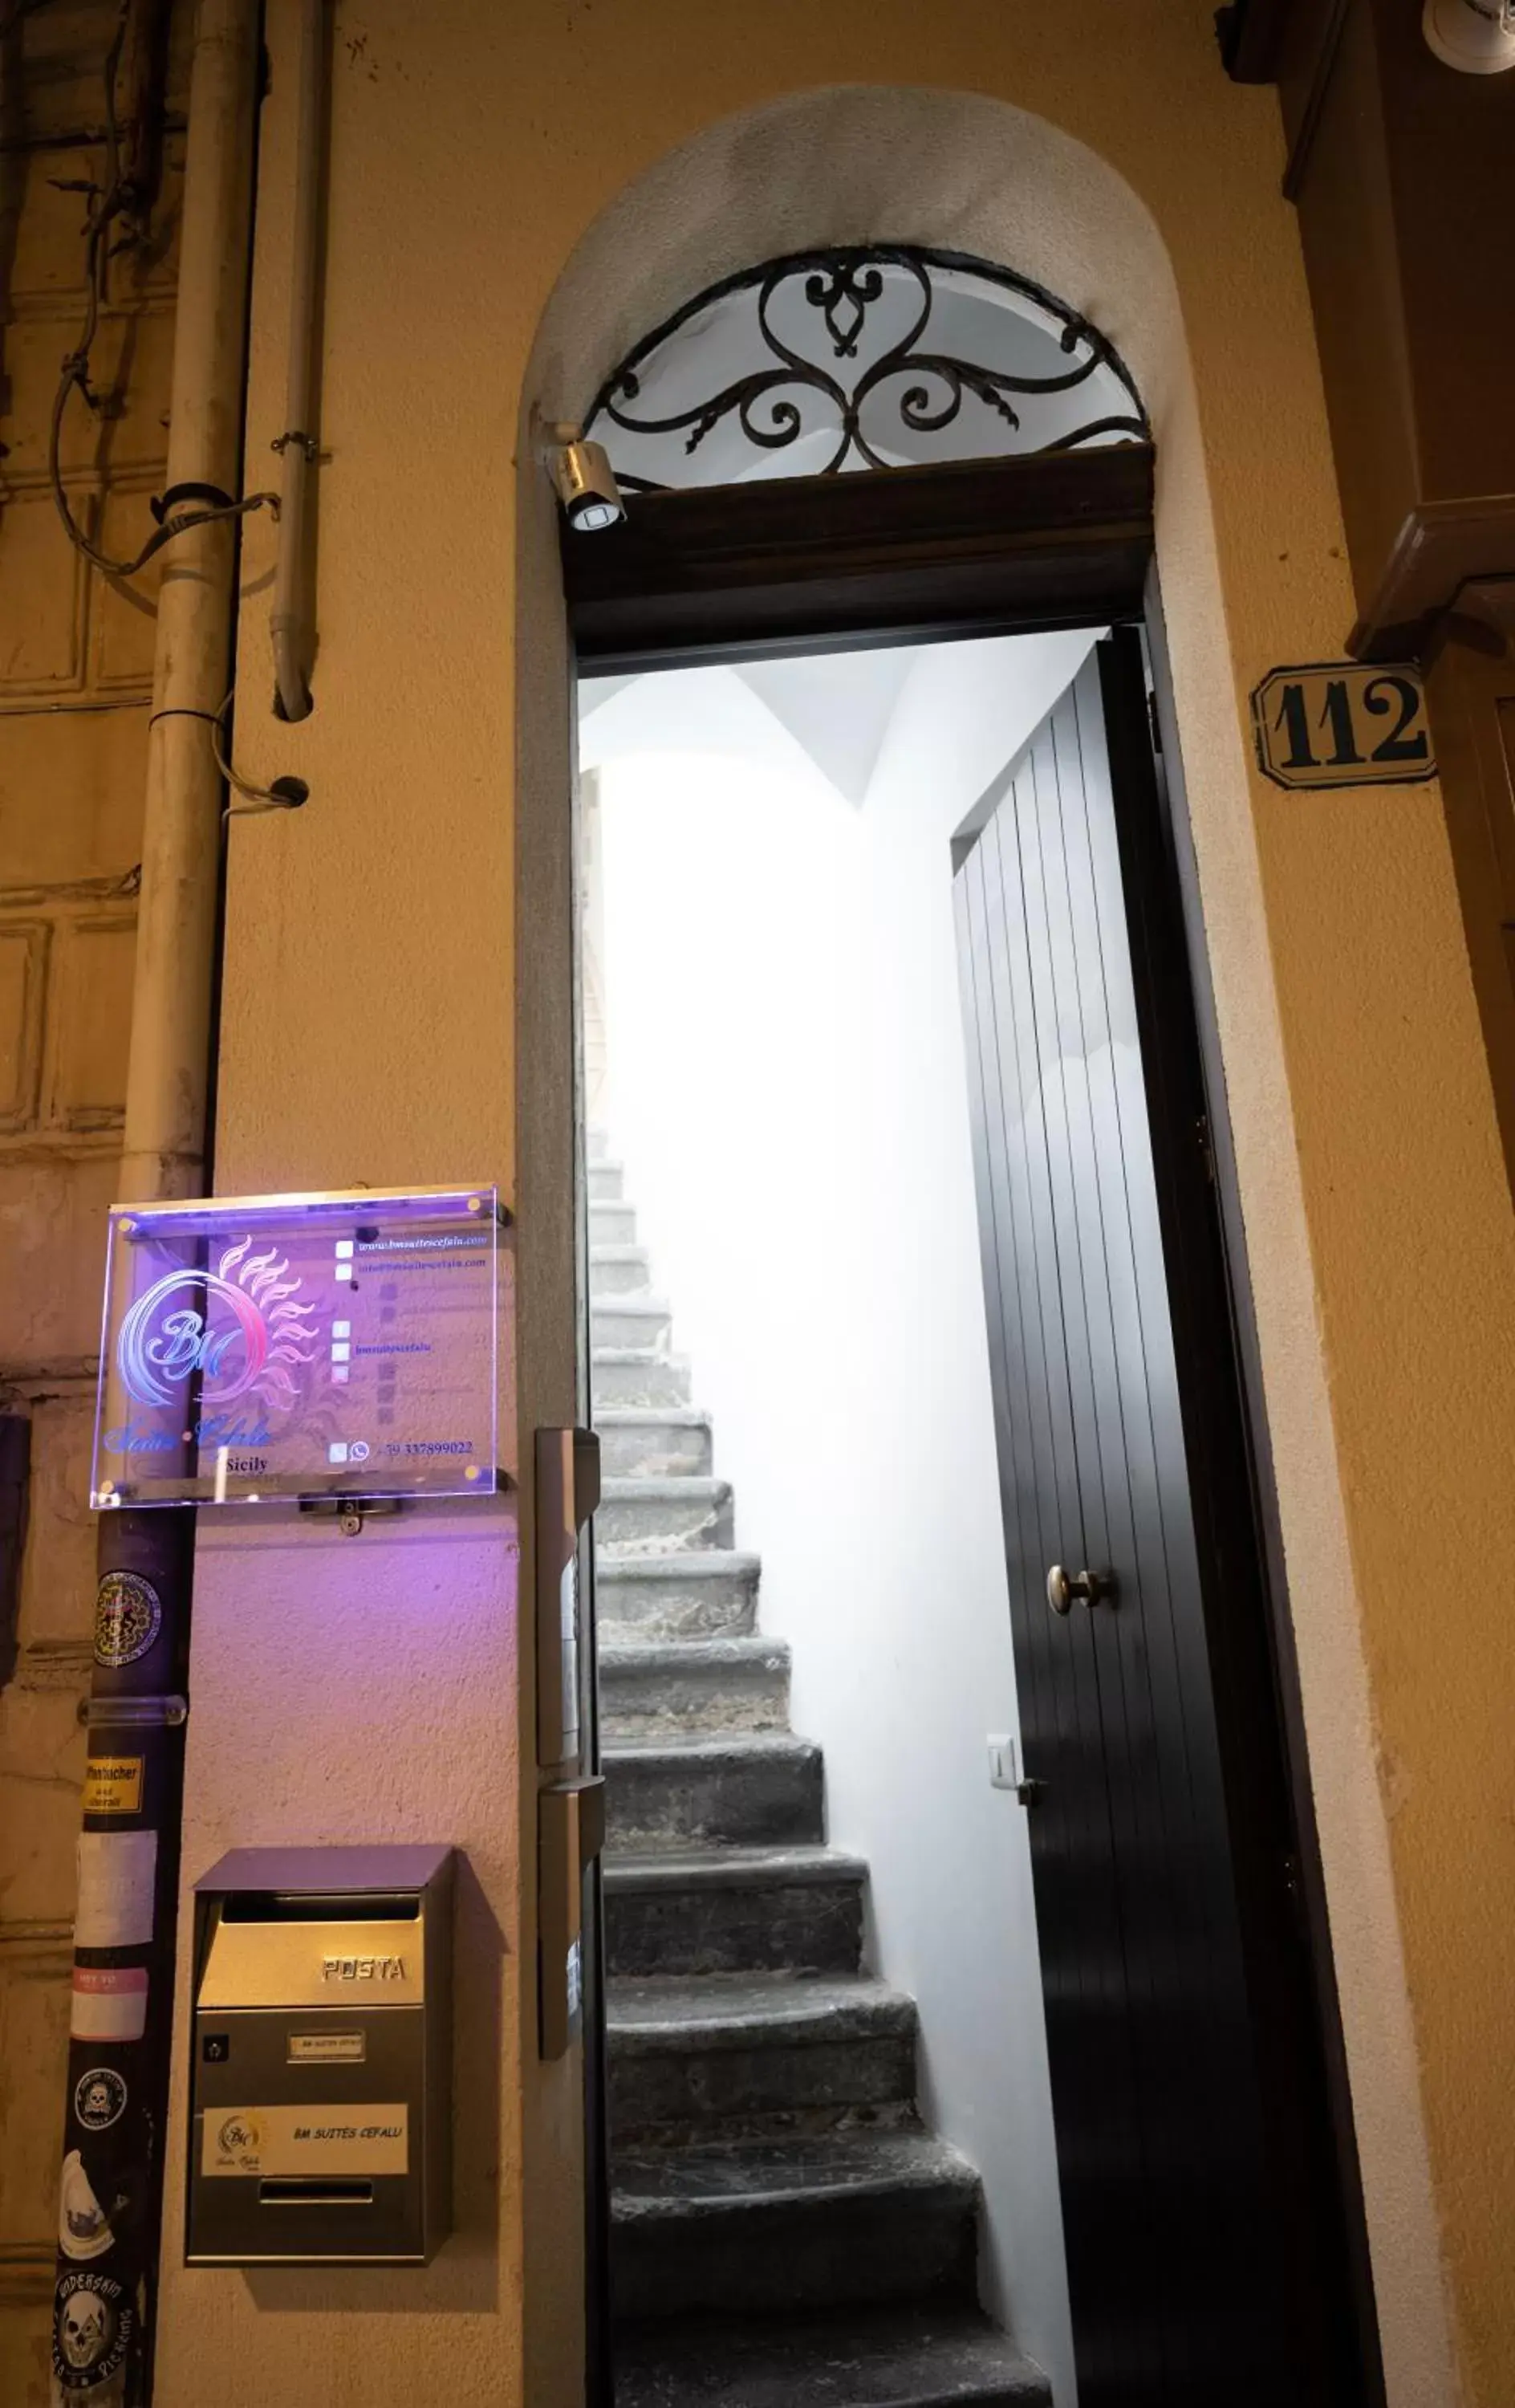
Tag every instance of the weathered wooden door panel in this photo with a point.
(1184, 2287)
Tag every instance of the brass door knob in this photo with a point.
(1064, 1589)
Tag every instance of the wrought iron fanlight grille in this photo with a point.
(830, 361)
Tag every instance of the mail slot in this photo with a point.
(322, 2090)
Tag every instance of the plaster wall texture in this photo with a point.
(514, 198)
(76, 676)
(348, 1689)
(371, 1688)
(797, 1145)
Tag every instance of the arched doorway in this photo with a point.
(1013, 189)
(1196, 2173)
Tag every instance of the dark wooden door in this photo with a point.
(1203, 2263)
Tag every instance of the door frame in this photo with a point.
(896, 556)
(706, 574)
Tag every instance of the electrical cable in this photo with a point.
(284, 795)
(107, 206)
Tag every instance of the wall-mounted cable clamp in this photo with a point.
(170, 498)
(142, 1714)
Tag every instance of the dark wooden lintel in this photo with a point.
(900, 554)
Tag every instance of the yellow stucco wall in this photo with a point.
(371, 1005)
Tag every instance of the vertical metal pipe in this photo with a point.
(111, 2188)
(290, 623)
(168, 1076)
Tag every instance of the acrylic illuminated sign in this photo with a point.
(270, 1347)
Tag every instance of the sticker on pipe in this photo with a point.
(109, 2003)
(99, 2098)
(113, 1784)
(288, 2142)
(116, 1874)
(91, 2327)
(128, 1616)
(84, 2227)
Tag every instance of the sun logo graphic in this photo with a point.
(239, 1326)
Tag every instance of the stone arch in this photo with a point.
(965, 172)
(836, 166)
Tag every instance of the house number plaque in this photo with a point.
(1342, 724)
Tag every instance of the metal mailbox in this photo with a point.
(322, 2106)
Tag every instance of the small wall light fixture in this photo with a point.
(1477, 36)
(584, 479)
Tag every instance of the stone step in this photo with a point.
(611, 1222)
(605, 1181)
(632, 1375)
(758, 1789)
(777, 2226)
(868, 2358)
(596, 1143)
(643, 1321)
(651, 1517)
(704, 1593)
(664, 1686)
(652, 1442)
(617, 1271)
(735, 1910)
(751, 2048)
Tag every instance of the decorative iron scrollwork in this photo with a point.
(874, 311)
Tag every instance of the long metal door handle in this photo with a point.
(1064, 1589)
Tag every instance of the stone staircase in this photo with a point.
(784, 2232)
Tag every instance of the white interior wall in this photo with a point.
(788, 1092)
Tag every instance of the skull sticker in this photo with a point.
(92, 2325)
(99, 2097)
(85, 2329)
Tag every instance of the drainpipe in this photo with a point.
(165, 1142)
(289, 622)
(111, 2188)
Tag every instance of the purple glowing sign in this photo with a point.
(300, 1346)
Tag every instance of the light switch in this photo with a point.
(1004, 1773)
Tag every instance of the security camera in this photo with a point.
(586, 483)
(1476, 35)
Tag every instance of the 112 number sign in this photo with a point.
(1342, 724)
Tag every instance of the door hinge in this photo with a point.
(1153, 721)
(1207, 1151)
